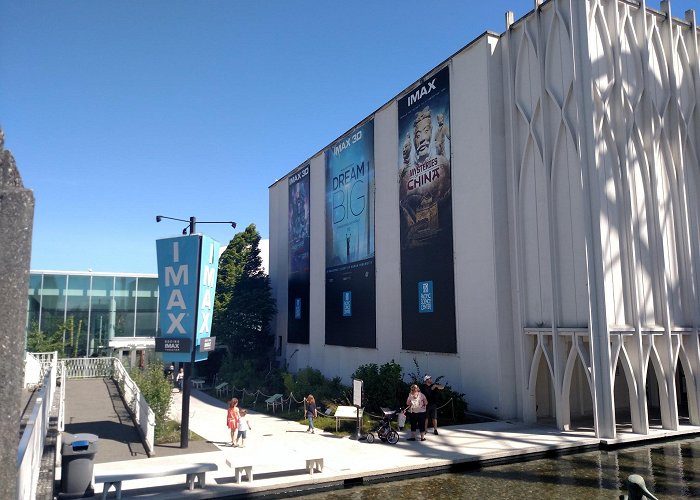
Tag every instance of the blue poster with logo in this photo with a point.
(187, 271)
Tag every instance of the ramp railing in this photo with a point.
(31, 444)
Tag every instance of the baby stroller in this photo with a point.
(384, 430)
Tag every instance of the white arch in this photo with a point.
(534, 368)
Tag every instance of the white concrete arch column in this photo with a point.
(633, 355)
(668, 410)
(582, 352)
(666, 348)
(638, 412)
(543, 350)
(690, 361)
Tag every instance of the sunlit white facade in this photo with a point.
(575, 149)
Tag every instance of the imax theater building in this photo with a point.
(523, 220)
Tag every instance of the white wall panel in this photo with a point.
(278, 258)
(387, 259)
(474, 239)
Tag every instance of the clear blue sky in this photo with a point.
(117, 111)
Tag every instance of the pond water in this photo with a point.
(670, 470)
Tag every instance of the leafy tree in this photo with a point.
(244, 307)
(383, 386)
(38, 341)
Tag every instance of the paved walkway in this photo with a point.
(278, 448)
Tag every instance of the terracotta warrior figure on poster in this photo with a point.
(425, 180)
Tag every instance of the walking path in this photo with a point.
(278, 448)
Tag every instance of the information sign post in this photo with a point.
(357, 402)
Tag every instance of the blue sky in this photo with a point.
(117, 111)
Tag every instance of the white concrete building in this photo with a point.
(574, 160)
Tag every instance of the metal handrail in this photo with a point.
(32, 442)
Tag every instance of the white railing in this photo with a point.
(62, 402)
(33, 371)
(89, 367)
(31, 445)
(113, 367)
(144, 416)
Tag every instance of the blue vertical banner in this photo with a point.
(350, 268)
(187, 270)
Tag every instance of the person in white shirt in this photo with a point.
(243, 427)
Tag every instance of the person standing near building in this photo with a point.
(311, 412)
(180, 378)
(417, 404)
(170, 373)
(243, 427)
(232, 419)
(430, 389)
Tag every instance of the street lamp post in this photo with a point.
(189, 367)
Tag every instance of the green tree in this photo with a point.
(38, 341)
(383, 386)
(244, 306)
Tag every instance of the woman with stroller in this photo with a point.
(417, 403)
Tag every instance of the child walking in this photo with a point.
(243, 427)
(311, 412)
(232, 419)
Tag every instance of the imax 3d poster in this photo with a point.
(299, 252)
(350, 268)
(425, 207)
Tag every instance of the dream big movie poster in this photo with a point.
(299, 250)
(425, 207)
(350, 277)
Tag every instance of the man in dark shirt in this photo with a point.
(429, 388)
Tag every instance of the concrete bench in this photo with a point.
(274, 400)
(348, 412)
(222, 389)
(312, 465)
(191, 472)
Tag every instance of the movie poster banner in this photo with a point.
(425, 206)
(350, 272)
(299, 251)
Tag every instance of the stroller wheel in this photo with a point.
(370, 437)
(393, 437)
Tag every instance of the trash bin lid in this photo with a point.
(86, 438)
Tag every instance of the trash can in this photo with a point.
(77, 461)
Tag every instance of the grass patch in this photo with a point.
(171, 433)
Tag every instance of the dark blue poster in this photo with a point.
(299, 251)
(425, 206)
(350, 275)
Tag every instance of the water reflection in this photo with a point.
(669, 469)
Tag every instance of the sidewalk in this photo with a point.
(278, 448)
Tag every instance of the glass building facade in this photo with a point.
(96, 312)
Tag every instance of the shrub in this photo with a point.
(383, 386)
(157, 390)
(252, 375)
(311, 381)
